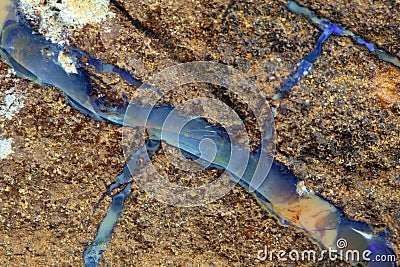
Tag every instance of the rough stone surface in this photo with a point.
(338, 130)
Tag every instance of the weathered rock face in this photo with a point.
(338, 130)
(55, 19)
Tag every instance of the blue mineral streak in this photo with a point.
(323, 24)
(307, 62)
(327, 28)
(35, 58)
(107, 68)
(92, 254)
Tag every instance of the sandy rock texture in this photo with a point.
(338, 130)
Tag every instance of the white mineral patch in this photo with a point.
(56, 17)
(12, 103)
(5, 147)
(67, 63)
(302, 190)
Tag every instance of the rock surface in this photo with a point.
(338, 130)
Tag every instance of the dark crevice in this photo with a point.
(135, 22)
(176, 51)
(225, 14)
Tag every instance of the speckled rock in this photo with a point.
(338, 130)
